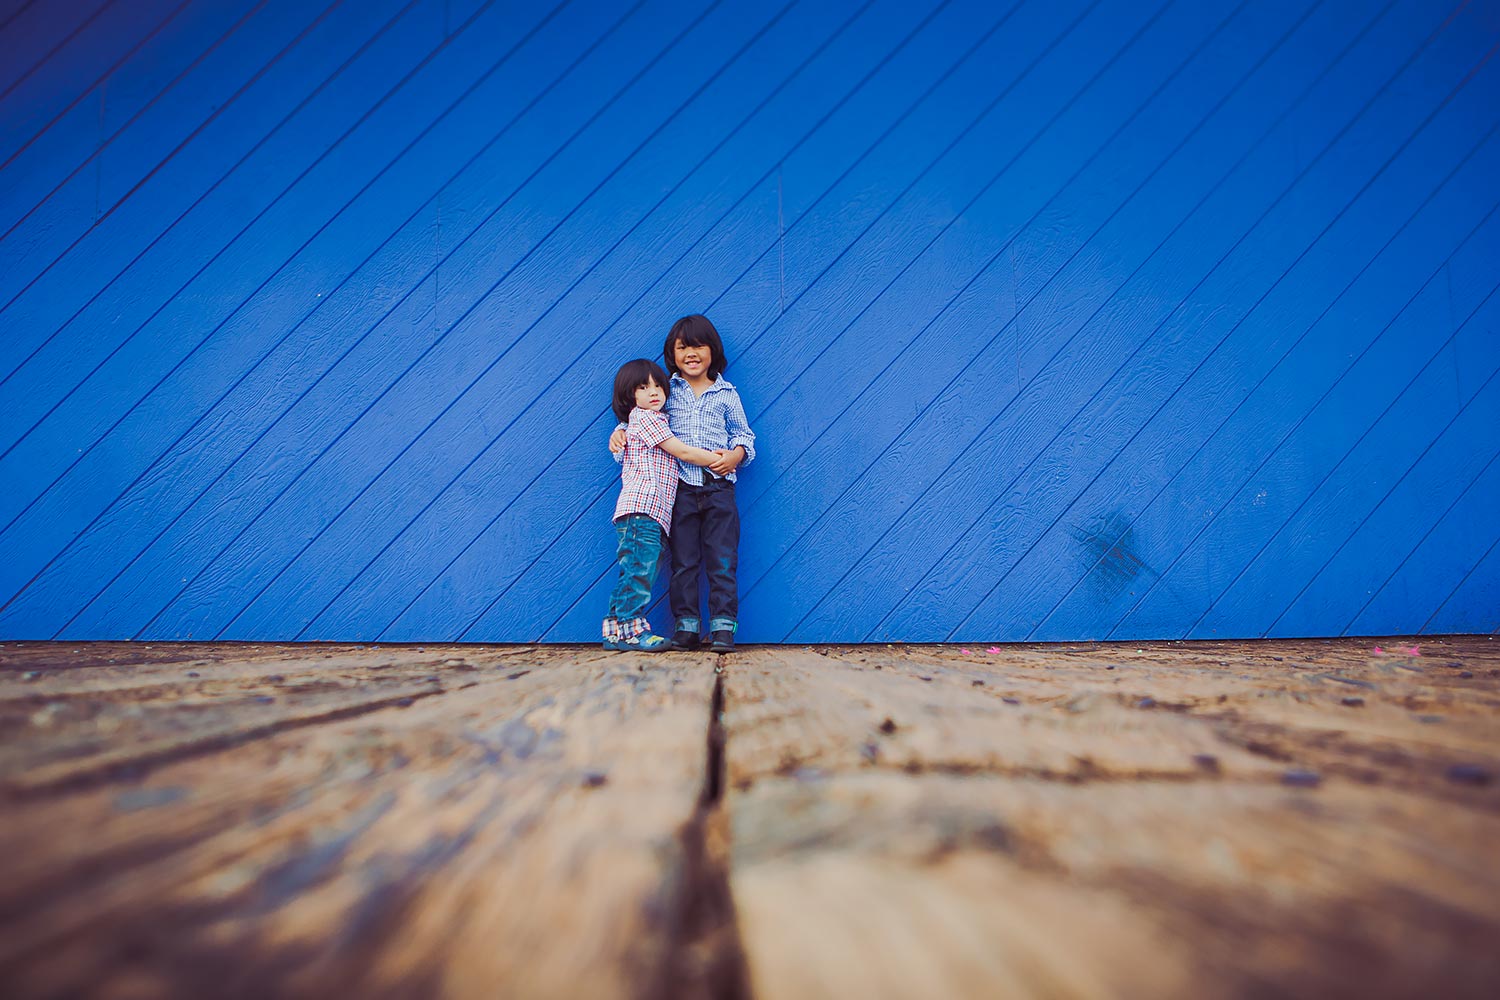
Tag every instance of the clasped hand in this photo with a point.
(728, 459)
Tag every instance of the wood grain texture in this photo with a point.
(256, 821)
(1107, 821)
(1304, 819)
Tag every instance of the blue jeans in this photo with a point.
(641, 544)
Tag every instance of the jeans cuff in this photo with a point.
(723, 625)
(689, 625)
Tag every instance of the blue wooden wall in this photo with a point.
(1056, 319)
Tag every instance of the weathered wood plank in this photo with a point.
(1179, 820)
(1197, 819)
(532, 826)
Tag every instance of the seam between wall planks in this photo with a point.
(1467, 156)
(1375, 508)
(775, 91)
(98, 150)
(1435, 525)
(1437, 271)
(1020, 312)
(1254, 145)
(1316, 487)
(85, 452)
(301, 36)
(985, 268)
(1127, 526)
(99, 215)
(145, 474)
(86, 91)
(787, 563)
(1229, 173)
(155, 465)
(1225, 256)
(168, 302)
(609, 251)
(1460, 585)
(454, 325)
(55, 49)
(1396, 75)
(416, 361)
(15, 14)
(1431, 195)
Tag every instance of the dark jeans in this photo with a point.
(706, 537)
(639, 555)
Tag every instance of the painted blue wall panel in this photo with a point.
(34, 33)
(904, 537)
(91, 53)
(1080, 319)
(929, 362)
(239, 454)
(94, 127)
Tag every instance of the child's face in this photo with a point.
(693, 362)
(650, 396)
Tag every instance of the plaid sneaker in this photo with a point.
(646, 642)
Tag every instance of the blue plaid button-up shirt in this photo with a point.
(713, 420)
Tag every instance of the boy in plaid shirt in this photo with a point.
(648, 488)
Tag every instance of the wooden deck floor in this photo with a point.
(1303, 818)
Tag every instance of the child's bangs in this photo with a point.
(694, 338)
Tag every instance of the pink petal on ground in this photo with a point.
(965, 652)
(993, 649)
(1415, 651)
(1379, 651)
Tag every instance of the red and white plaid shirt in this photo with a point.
(648, 475)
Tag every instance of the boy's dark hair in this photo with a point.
(631, 376)
(695, 331)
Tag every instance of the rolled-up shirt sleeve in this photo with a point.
(738, 427)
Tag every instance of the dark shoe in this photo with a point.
(722, 641)
(686, 640)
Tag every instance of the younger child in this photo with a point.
(706, 411)
(648, 487)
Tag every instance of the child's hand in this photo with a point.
(617, 441)
(727, 462)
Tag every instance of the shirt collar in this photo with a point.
(719, 383)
